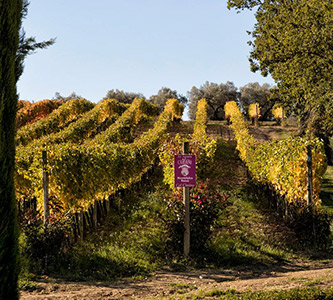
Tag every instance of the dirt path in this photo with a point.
(165, 283)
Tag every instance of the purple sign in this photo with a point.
(184, 170)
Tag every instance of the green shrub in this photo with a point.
(206, 204)
(312, 227)
(44, 245)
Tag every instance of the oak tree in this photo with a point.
(164, 94)
(121, 96)
(252, 93)
(216, 96)
(293, 41)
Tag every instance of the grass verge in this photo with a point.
(291, 294)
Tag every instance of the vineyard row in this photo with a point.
(281, 164)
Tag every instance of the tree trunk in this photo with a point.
(10, 20)
(303, 123)
(216, 114)
(266, 110)
(315, 131)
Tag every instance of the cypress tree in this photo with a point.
(10, 23)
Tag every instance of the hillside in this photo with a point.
(250, 247)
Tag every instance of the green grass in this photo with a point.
(305, 293)
(26, 284)
(180, 288)
(228, 172)
(292, 294)
(242, 238)
(285, 133)
(130, 244)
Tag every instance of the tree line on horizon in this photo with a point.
(216, 95)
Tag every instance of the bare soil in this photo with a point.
(165, 283)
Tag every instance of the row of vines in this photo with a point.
(200, 145)
(95, 153)
(281, 164)
(56, 121)
(28, 113)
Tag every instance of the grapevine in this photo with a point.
(80, 173)
(123, 129)
(282, 164)
(31, 112)
(105, 113)
(200, 146)
(254, 111)
(54, 122)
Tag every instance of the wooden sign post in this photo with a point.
(45, 187)
(184, 168)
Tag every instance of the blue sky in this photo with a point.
(135, 46)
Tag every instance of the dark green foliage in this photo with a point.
(44, 246)
(312, 227)
(123, 97)
(293, 41)
(14, 47)
(253, 92)
(243, 4)
(10, 22)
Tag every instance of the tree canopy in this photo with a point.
(216, 96)
(292, 41)
(252, 93)
(72, 96)
(14, 47)
(123, 97)
(10, 20)
(26, 45)
(164, 94)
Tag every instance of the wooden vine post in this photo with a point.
(45, 187)
(81, 225)
(184, 169)
(309, 175)
(186, 198)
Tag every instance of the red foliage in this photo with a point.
(31, 112)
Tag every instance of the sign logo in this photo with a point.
(184, 168)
